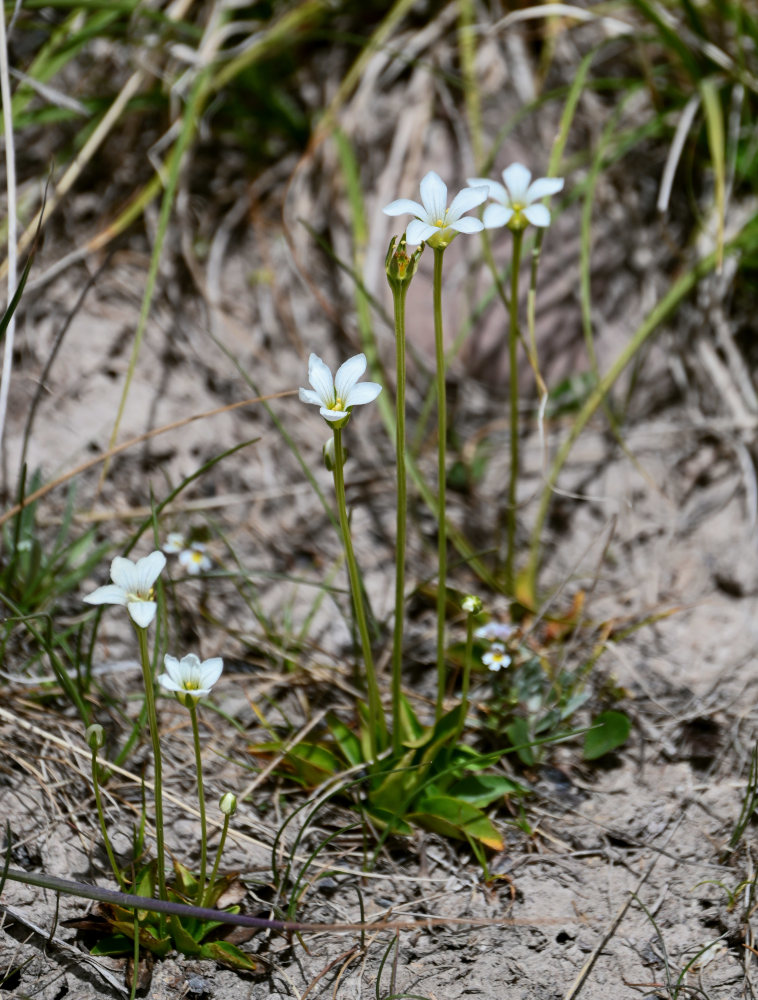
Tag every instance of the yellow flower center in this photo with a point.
(338, 405)
(440, 223)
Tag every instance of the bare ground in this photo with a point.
(623, 883)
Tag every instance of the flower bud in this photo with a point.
(400, 265)
(95, 737)
(228, 804)
(328, 453)
(471, 604)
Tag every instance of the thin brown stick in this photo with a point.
(117, 449)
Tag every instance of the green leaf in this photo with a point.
(113, 944)
(609, 731)
(346, 740)
(412, 733)
(312, 763)
(183, 940)
(228, 954)
(186, 885)
(483, 789)
(454, 818)
(518, 733)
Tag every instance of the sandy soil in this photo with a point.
(623, 888)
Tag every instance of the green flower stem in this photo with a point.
(513, 337)
(191, 705)
(398, 295)
(152, 720)
(467, 659)
(207, 895)
(103, 829)
(377, 722)
(441, 482)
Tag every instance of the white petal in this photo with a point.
(538, 215)
(332, 415)
(496, 216)
(517, 179)
(148, 570)
(142, 612)
(364, 392)
(173, 668)
(465, 200)
(170, 685)
(347, 375)
(124, 574)
(467, 225)
(320, 377)
(404, 206)
(495, 188)
(418, 231)
(110, 594)
(434, 196)
(309, 396)
(210, 671)
(543, 187)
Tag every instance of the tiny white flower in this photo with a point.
(132, 587)
(497, 658)
(516, 198)
(190, 678)
(339, 394)
(174, 543)
(194, 559)
(494, 631)
(434, 222)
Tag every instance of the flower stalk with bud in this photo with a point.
(437, 225)
(400, 267)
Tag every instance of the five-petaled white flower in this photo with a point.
(190, 678)
(516, 198)
(194, 559)
(132, 587)
(434, 222)
(174, 543)
(339, 394)
(495, 631)
(496, 658)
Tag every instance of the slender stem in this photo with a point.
(513, 336)
(400, 532)
(152, 721)
(441, 481)
(377, 723)
(214, 872)
(191, 705)
(103, 829)
(466, 674)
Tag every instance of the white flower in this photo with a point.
(190, 678)
(132, 587)
(495, 631)
(337, 396)
(495, 659)
(194, 559)
(174, 543)
(516, 197)
(434, 222)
